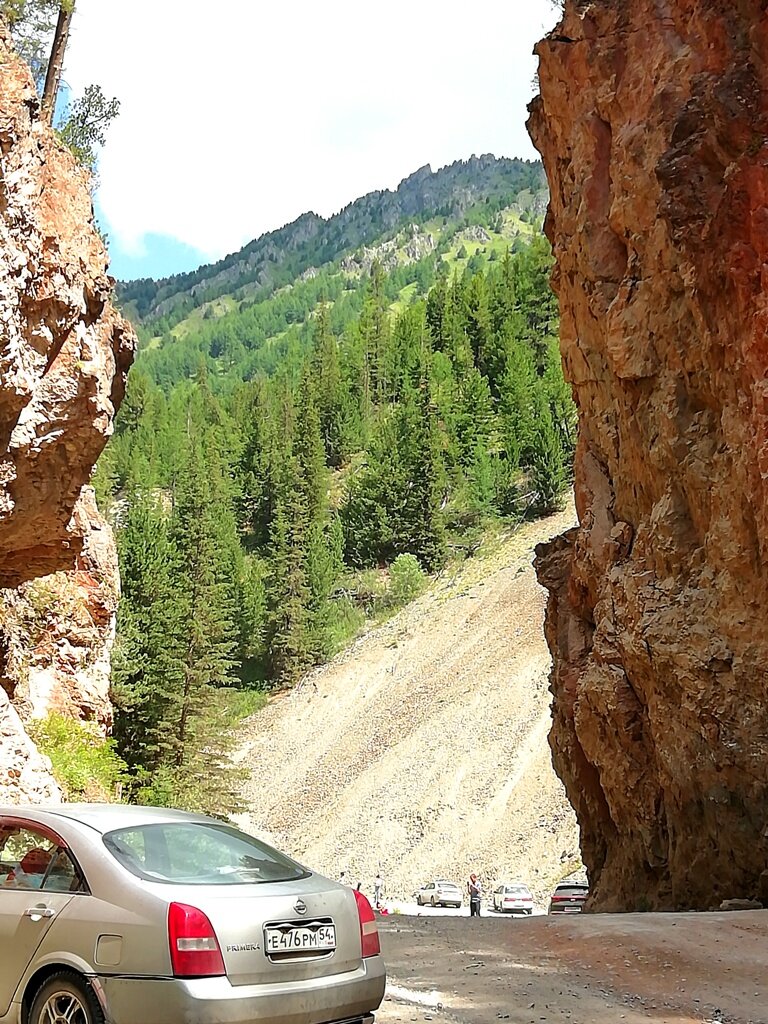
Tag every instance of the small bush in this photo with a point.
(407, 580)
(85, 764)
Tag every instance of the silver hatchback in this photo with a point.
(136, 915)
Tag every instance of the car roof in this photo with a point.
(104, 817)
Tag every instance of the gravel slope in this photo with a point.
(421, 752)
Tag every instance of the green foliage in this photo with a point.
(393, 506)
(32, 23)
(407, 580)
(287, 467)
(85, 123)
(85, 764)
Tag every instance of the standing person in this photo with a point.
(475, 891)
(378, 886)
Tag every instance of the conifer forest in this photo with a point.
(292, 460)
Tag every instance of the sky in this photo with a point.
(239, 115)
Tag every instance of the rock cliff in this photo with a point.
(64, 356)
(653, 125)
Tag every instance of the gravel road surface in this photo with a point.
(585, 969)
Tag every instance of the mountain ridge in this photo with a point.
(279, 256)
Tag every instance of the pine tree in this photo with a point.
(290, 627)
(147, 665)
(394, 506)
(423, 530)
(548, 474)
(202, 527)
(330, 391)
(375, 334)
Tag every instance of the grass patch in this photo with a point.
(346, 622)
(240, 704)
(84, 763)
(404, 298)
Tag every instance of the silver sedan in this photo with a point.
(136, 915)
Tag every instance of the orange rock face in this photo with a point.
(653, 126)
(64, 350)
(64, 356)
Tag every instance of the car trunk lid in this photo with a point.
(277, 931)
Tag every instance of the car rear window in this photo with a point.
(517, 889)
(575, 890)
(199, 853)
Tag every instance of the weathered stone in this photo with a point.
(64, 356)
(25, 775)
(741, 905)
(653, 126)
(56, 632)
(64, 350)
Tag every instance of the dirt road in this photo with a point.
(590, 969)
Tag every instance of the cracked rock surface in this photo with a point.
(64, 357)
(653, 126)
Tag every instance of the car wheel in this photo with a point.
(418, 899)
(432, 901)
(65, 997)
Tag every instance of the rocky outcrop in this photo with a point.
(64, 356)
(408, 246)
(25, 775)
(653, 125)
(64, 350)
(56, 632)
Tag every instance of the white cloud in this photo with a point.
(239, 115)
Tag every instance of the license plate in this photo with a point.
(293, 939)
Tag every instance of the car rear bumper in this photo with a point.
(349, 997)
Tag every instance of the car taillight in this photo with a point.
(369, 933)
(195, 951)
(558, 899)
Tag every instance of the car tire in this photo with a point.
(66, 995)
(432, 902)
(418, 899)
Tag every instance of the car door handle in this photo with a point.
(36, 913)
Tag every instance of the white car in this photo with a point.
(439, 893)
(513, 897)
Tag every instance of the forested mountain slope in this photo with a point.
(311, 241)
(289, 464)
(422, 751)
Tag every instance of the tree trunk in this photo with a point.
(56, 62)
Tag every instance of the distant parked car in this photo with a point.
(130, 914)
(569, 898)
(439, 893)
(514, 898)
